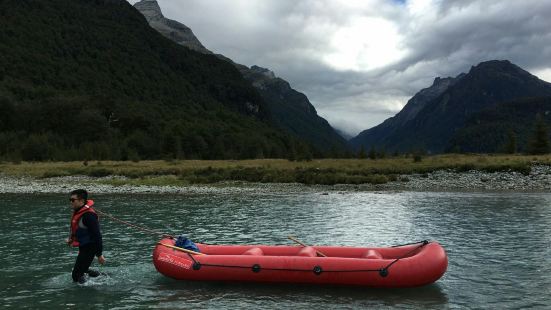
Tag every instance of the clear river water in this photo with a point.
(498, 245)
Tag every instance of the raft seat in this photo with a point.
(371, 254)
(307, 251)
(254, 251)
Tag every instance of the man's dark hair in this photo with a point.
(80, 193)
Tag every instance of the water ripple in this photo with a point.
(499, 247)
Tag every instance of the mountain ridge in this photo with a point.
(433, 126)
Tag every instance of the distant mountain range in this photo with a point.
(290, 109)
(456, 114)
(83, 79)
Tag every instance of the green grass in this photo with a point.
(323, 171)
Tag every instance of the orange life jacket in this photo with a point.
(76, 218)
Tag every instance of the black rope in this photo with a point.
(289, 269)
(423, 243)
(192, 258)
(249, 267)
(412, 243)
(383, 271)
(138, 227)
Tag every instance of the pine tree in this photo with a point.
(362, 154)
(539, 143)
(511, 145)
(381, 153)
(372, 153)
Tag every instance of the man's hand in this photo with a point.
(68, 241)
(101, 259)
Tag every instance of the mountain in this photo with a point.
(378, 136)
(293, 111)
(83, 79)
(290, 109)
(432, 118)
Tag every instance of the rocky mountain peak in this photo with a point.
(439, 85)
(499, 67)
(171, 29)
(150, 9)
(263, 71)
(494, 64)
(418, 102)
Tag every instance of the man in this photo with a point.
(85, 234)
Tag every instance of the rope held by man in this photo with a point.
(138, 227)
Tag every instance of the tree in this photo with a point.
(539, 144)
(511, 144)
(381, 153)
(35, 148)
(418, 154)
(362, 154)
(372, 153)
(6, 114)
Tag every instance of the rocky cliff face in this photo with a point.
(266, 81)
(171, 29)
(291, 109)
(418, 102)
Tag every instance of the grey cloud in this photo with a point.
(290, 38)
(467, 32)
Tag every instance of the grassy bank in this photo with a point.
(324, 171)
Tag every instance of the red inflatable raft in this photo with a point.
(403, 266)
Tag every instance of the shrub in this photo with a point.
(99, 172)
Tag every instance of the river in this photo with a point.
(498, 245)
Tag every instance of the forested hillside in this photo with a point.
(506, 128)
(84, 79)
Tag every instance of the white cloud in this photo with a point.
(359, 61)
(544, 74)
(365, 44)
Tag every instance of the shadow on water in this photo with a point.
(206, 293)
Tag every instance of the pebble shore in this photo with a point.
(538, 180)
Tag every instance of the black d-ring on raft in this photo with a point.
(383, 272)
(196, 266)
(317, 270)
(256, 268)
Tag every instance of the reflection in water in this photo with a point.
(498, 246)
(269, 295)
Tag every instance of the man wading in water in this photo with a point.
(85, 234)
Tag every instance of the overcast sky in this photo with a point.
(359, 61)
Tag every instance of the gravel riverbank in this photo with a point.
(539, 179)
